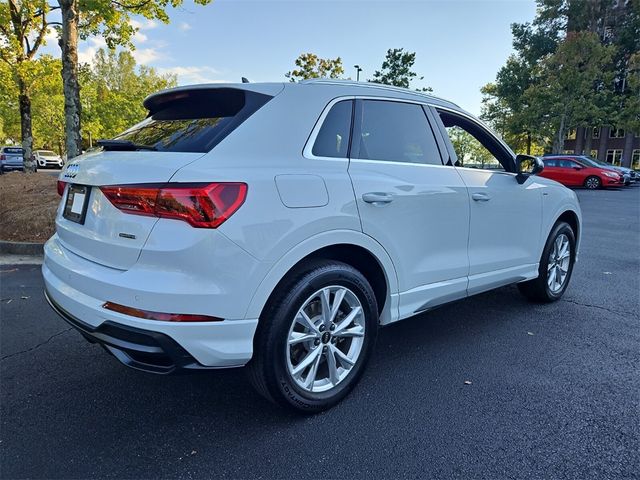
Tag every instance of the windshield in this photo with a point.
(591, 162)
(193, 121)
(46, 153)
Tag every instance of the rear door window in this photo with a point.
(193, 120)
(333, 137)
(396, 132)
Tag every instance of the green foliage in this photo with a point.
(110, 19)
(396, 68)
(558, 80)
(311, 66)
(113, 91)
(112, 94)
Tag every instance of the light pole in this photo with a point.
(358, 70)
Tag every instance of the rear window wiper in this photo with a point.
(124, 145)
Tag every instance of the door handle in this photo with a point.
(377, 198)
(480, 197)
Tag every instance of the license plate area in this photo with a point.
(75, 207)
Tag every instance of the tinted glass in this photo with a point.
(396, 132)
(12, 150)
(550, 163)
(194, 121)
(333, 137)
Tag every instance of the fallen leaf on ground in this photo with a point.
(467, 382)
(24, 297)
(530, 333)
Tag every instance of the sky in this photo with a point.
(459, 44)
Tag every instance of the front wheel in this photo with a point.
(315, 337)
(556, 266)
(593, 183)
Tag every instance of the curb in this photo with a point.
(21, 248)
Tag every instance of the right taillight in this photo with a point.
(202, 205)
(61, 186)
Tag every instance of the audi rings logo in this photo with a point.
(72, 170)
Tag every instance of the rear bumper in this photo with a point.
(77, 290)
(144, 350)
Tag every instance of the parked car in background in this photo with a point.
(628, 174)
(11, 159)
(48, 159)
(574, 171)
(278, 225)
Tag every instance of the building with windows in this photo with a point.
(612, 145)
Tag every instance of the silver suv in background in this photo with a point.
(11, 159)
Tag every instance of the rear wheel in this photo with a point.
(593, 183)
(315, 337)
(556, 266)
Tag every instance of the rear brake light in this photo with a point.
(61, 186)
(3, 157)
(202, 205)
(164, 317)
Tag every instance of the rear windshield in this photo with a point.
(193, 121)
(12, 150)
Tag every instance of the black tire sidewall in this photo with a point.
(286, 388)
(560, 228)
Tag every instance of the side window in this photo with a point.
(474, 146)
(566, 163)
(550, 163)
(396, 132)
(471, 153)
(333, 137)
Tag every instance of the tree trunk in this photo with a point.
(627, 153)
(588, 134)
(25, 127)
(604, 139)
(528, 143)
(71, 86)
(558, 142)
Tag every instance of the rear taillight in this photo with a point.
(202, 205)
(3, 157)
(61, 186)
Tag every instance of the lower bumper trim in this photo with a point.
(144, 350)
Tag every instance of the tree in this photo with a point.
(23, 27)
(114, 90)
(397, 69)
(111, 20)
(574, 86)
(311, 66)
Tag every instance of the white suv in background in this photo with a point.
(279, 225)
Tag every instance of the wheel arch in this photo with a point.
(351, 247)
(574, 220)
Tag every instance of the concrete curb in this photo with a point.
(21, 248)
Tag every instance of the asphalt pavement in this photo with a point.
(554, 392)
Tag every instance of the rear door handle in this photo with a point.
(377, 198)
(480, 197)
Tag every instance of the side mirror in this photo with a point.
(527, 165)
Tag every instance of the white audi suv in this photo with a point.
(277, 226)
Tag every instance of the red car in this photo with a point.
(571, 172)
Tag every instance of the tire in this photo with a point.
(543, 289)
(272, 370)
(593, 183)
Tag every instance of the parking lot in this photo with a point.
(554, 392)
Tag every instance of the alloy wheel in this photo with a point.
(559, 262)
(325, 339)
